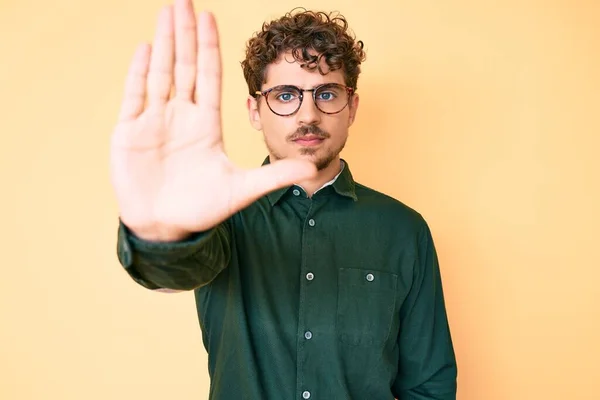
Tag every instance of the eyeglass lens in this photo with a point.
(285, 100)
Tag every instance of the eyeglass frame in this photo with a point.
(349, 91)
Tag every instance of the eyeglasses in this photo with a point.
(285, 100)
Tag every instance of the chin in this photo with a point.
(320, 161)
(320, 158)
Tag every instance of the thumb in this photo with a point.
(258, 182)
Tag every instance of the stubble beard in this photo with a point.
(321, 163)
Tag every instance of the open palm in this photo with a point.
(169, 169)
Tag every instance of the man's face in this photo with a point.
(308, 133)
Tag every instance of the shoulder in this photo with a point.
(391, 211)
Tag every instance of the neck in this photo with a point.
(323, 176)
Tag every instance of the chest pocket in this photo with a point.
(366, 304)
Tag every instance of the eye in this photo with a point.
(285, 96)
(326, 96)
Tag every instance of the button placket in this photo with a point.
(309, 277)
(305, 335)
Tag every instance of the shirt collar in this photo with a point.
(343, 184)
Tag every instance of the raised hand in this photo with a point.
(169, 170)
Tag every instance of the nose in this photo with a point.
(308, 114)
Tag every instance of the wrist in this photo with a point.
(159, 234)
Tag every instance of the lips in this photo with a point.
(309, 140)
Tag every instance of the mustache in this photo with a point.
(309, 130)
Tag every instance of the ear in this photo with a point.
(253, 113)
(353, 108)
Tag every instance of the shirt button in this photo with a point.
(308, 335)
(306, 394)
(370, 277)
(311, 222)
(310, 276)
(296, 192)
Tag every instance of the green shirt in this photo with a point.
(338, 296)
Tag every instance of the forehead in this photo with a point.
(287, 71)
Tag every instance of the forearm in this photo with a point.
(432, 390)
(181, 265)
(428, 368)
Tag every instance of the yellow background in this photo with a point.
(482, 115)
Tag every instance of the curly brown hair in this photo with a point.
(298, 31)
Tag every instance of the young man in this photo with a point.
(308, 285)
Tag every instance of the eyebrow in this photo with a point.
(297, 86)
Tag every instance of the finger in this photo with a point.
(185, 49)
(208, 75)
(160, 74)
(135, 84)
(260, 181)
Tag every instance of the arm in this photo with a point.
(175, 266)
(427, 369)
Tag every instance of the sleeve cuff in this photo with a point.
(129, 244)
(131, 248)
